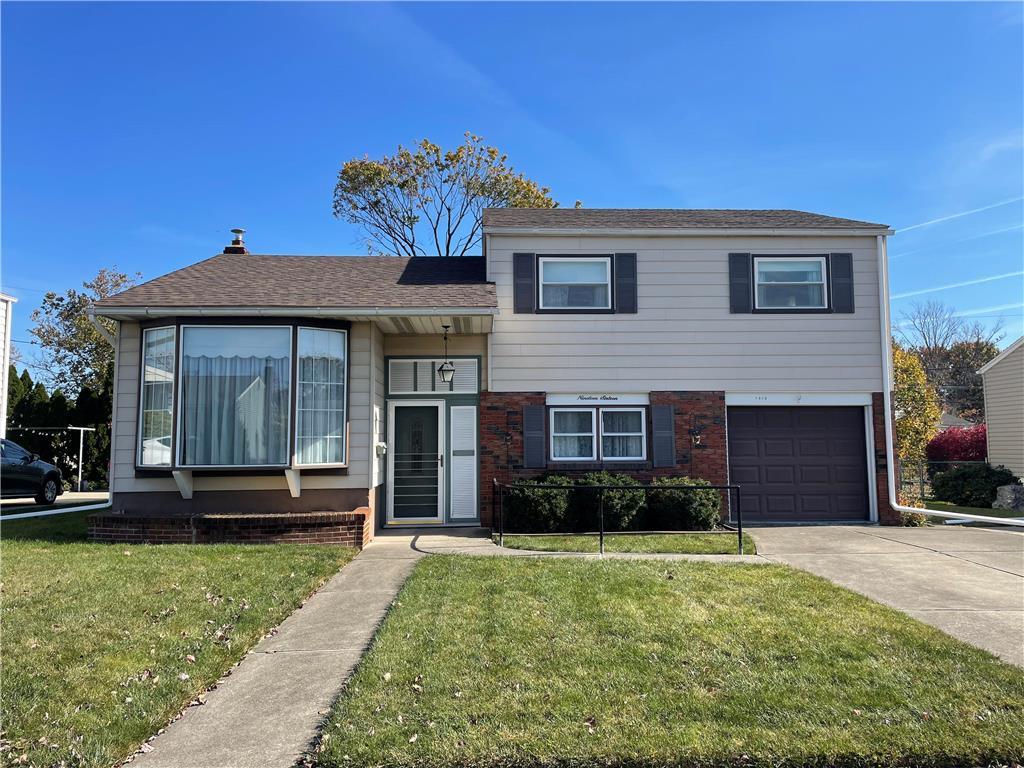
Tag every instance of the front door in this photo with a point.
(416, 461)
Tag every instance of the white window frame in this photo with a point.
(642, 433)
(179, 395)
(542, 260)
(823, 260)
(345, 420)
(592, 434)
(142, 399)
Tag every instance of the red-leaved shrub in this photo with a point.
(959, 444)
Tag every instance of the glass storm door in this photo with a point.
(416, 461)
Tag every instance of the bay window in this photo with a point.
(156, 415)
(320, 404)
(235, 396)
(222, 397)
(592, 434)
(575, 283)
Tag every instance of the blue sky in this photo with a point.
(137, 135)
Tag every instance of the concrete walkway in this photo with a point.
(478, 541)
(968, 582)
(268, 710)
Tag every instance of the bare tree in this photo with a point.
(428, 200)
(951, 349)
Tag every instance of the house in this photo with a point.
(300, 397)
(951, 421)
(1003, 383)
(6, 312)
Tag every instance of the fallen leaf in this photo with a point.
(412, 739)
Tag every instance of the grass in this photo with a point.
(487, 662)
(673, 543)
(945, 506)
(97, 638)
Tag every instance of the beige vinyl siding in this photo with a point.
(431, 346)
(1004, 411)
(378, 408)
(126, 421)
(683, 337)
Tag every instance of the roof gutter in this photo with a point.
(688, 231)
(890, 460)
(145, 311)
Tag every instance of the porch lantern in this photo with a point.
(446, 370)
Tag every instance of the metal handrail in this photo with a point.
(498, 496)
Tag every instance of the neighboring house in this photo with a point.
(950, 421)
(736, 346)
(6, 313)
(1003, 380)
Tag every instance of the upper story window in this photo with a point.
(792, 282)
(575, 283)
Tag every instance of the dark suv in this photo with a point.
(25, 474)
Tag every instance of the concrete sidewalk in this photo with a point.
(268, 710)
(478, 541)
(968, 582)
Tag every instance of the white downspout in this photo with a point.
(890, 460)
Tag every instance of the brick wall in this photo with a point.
(886, 514)
(501, 415)
(352, 529)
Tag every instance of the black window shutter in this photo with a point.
(524, 282)
(663, 430)
(534, 447)
(840, 267)
(741, 298)
(625, 283)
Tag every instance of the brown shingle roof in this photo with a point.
(248, 280)
(665, 218)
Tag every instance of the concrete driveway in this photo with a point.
(968, 582)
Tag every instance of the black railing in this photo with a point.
(498, 506)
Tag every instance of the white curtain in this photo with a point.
(235, 410)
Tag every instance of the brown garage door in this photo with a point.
(799, 464)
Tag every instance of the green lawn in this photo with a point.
(945, 506)
(570, 662)
(674, 543)
(103, 644)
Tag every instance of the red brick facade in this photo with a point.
(886, 514)
(501, 442)
(352, 529)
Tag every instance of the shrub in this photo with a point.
(971, 486)
(958, 444)
(682, 510)
(538, 510)
(621, 507)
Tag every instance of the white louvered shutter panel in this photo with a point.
(465, 379)
(401, 373)
(424, 375)
(463, 462)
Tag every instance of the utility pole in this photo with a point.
(81, 445)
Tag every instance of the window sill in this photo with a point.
(598, 466)
(540, 311)
(792, 311)
(310, 471)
